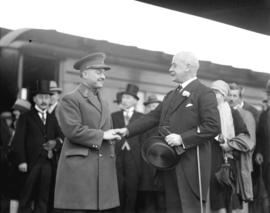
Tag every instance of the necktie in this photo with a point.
(43, 118)
(126, 117)
(179, 88)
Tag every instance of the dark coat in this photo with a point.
(263, 136)
(86, 176)
(128, 165)
(134, 142)
(196, 118)
(220, 196)
(149, 181)
(31, 134)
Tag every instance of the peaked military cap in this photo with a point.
(94, 61)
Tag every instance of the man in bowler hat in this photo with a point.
(191, 116)
(86, 178)
(33, 144)
(128, 151)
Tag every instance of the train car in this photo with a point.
(30, 54)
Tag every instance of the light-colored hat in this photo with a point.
(6, 114)
(54, 87)
(221, 86)
(151, 99)
(22, 105)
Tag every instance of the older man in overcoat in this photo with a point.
(190, 115)
(86, 177)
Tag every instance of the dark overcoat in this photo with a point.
(31, 134)
(86, 176)
(193, 114)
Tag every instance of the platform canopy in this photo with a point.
(142, 25)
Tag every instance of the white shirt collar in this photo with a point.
(129, 111)
(239, 106)
(188, 82)
(40, 110)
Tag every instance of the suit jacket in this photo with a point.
(263, 136)
(193, 114)
(31, 134)
(86, 175)
(134, 142)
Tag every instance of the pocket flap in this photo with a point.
(77, 152)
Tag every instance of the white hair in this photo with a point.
(190, 59)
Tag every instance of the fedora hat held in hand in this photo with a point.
(156, 152)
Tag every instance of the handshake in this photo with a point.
(115, 134)
(171, 139)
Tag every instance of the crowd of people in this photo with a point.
(200, 149)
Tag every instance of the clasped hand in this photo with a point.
(171, 139)
(115, 134)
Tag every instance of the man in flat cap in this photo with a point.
(128, 151)
(86, 178)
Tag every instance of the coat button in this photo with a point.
(100, 155)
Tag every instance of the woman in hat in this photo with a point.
(223, 198)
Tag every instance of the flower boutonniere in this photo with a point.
(186, 93)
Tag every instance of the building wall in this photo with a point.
(149, 82)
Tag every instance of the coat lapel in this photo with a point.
(90, 97)
(179, 99)
(104, 111)
(36, 119)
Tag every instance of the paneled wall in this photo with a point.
(149, 82)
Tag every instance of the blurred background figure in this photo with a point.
(151, 190)
(118, 100)
(128, 160)
(262, 149)
(6, 134)
(21, 104)
(265, 104)
(226, 170)
(237, 101)
(16, 178)
(151, 103)
(55, 96)
(249, 115)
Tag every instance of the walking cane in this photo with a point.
(200, 180)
